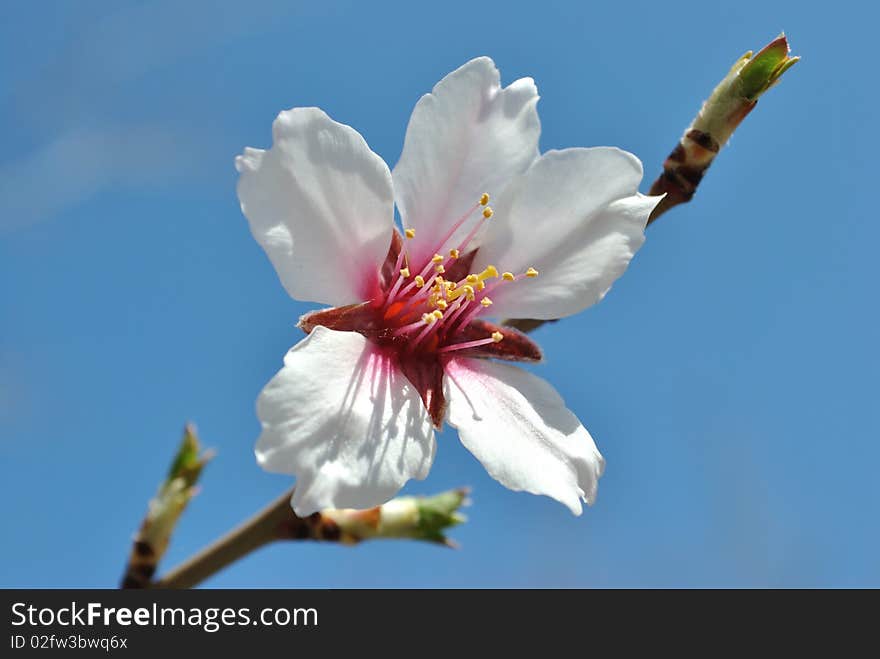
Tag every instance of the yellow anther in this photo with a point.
(479, 280)
(468, 293)
(484, 199)
(441, 304)
(486, 302)
(451, 286)
(437, 314)
(410, 233)
(437, 258)
(420, 281)
(404, 272)
(428, 318)
(497, 336)
(508, 276)
(488, 212)
(440, 269)
(489, 273)
(531, 272)
(453, 253)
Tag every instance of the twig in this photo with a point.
(164, 510)
(730, 102)
(275, 522)
(417, 518)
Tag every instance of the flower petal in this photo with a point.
(518, 427)
(577, 218)
(320, 203)
(342, 418)
(467, 137)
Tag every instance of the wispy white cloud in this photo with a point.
(85, 143)
(75, 166)
(134, 41)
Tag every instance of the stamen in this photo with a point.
(419, 281)
(410, 233)
(467, 291)
(477, 280)
(488, 212)
(458, 308)
(430, 327)
(486, 302)
(505, 277)
(453, 253)
(392, 294)
(436, 259)
(415, 325)
(495, 338)
(462, 219)
(439, 269)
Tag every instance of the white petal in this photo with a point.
(341, 418)
(320, 203)
(467, 137)
(577, 218)
(518, 427)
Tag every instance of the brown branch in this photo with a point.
(416, 518)
(730, 102)
(275, 522)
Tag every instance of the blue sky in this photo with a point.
(729, 378)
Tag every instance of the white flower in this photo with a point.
(405, 345)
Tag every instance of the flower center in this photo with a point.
(428, 304)
(423, 313)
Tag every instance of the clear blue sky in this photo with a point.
(729, 378)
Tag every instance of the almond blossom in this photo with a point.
(491, 228)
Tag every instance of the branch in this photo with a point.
(417, 518)
(730, 102)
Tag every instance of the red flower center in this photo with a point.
(422, 315)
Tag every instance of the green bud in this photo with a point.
(764, 69)
(441, 512)
(188, 462)
(176, 491)
(416, 518)
(736, 95)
